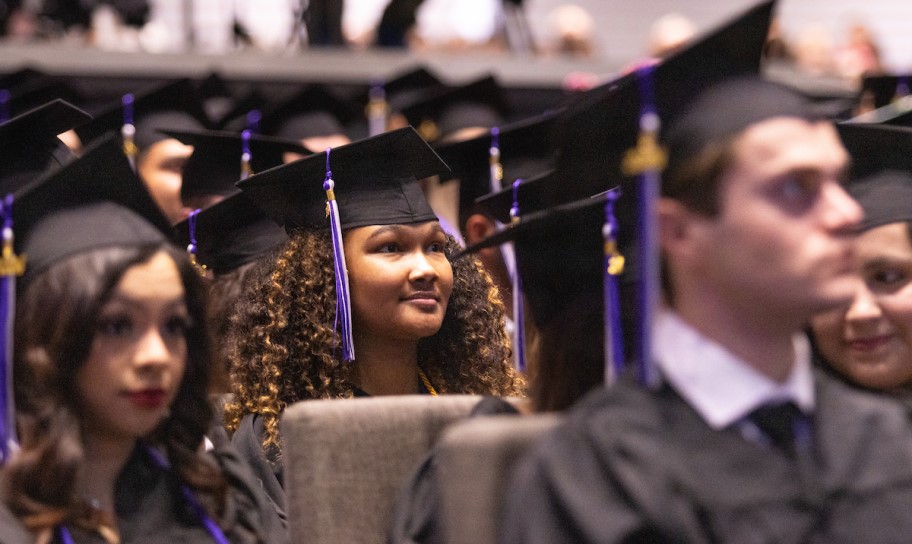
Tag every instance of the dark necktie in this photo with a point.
(779, 422)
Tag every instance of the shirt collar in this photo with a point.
(721, 387)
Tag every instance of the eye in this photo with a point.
(391, 247)
(118, 325)
(436, 247)
(178, 325)
(797, 189)
(889, 276)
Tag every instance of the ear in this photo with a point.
(478, 227)
(679, 229)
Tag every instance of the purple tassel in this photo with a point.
(253, 121)
(519, 321)
(128, 130)
(11, 266)
(377, 110)
(343, 302)
(613, 266)
(494, 161)
(246, 157)
(192, 246)
(4, 105)
(647, 160)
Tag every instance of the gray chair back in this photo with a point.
(475, 458)
(345, 461)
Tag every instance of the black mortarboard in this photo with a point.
(312, 111)
(897, 113)
(245, 113)
(215, 164)
(533, 194)
(881, 90)
(881, 178)
(524, 152)
(92, 202)
(602, 124)
(480, 103)
(35, 91)
(404, 88)
(561, 259)
(174, 106)
(230, 234)
(375, 184)
(30, 146)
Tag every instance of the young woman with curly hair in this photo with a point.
(421, 323)
(112, 367)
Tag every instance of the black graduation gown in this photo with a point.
(151, 508)
(416, 513)
(636, 466)
(267, 466)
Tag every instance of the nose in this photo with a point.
(864, 306)
(422, 269)
(152, 351)
(842, 213)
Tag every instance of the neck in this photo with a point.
(761, 341)
(104, 459)
(386, 367)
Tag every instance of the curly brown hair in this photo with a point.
(285, 346)
(56, 320)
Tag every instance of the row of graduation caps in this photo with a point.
(604, 143)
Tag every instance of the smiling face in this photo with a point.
(138, 354)
(400, 280)
(870, 341)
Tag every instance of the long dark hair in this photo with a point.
(56, 320)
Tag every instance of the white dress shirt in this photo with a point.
(721, 387)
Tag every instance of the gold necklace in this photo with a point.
(427, 383)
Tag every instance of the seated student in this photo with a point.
(561, 267)
(111, 365)
(420, 322)
(741, 441)
(869, 341)
(158, 158)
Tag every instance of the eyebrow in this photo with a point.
(399, 228)
(176, 303)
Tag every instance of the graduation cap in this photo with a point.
(375, 184)
(523, 150)
(94, 201)
(530, 195)
(897, 113)
(221, 159)
(405, 87)
(881, 90)
(230, 234)
(174, 106)
(35, 91)
(30, 146)
(368, 182)
(481, 103)
(595, 132)
(562, 262)
(312, 111)
(881, 177)
(245, 113)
